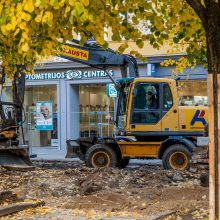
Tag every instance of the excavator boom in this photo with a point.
(95, 56)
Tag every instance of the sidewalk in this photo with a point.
(133, 162)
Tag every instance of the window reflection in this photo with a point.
(192, 93)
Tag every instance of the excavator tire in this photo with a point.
(99, 155)
(176, 157)
(123, 163)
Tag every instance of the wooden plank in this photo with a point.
(9, 209)
(16, 167)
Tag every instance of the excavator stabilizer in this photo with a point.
(71, 148)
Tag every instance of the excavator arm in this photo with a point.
(95, 56)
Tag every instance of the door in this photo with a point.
(169, 108)
(146, 110)
(44, 97)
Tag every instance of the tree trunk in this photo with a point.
(213, 86)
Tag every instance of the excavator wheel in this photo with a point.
(176, 157)
(99, 156)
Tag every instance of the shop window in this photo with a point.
(7, 94)
(94, 106)
(192, 93)
(145, 104)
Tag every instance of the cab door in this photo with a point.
(170, 109)
(145, 109)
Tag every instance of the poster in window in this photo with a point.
(44, 119)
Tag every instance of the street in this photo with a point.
(70, 190)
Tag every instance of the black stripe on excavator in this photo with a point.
(167, 133)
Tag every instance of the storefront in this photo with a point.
(75, 96)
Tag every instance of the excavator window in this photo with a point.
(146, 104)
(122, 102)
(167, 97)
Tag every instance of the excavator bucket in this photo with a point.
(70, 148)
(15, 158)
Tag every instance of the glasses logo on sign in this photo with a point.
(71, 74)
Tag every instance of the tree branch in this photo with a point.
(199, 9)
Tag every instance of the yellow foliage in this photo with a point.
(4, 30)
(22, 25)
(25, 16)
(25, 47)
(8, 27)
(85, 2)
(24, 34)
(32, 28)
(47, 18)
(180, 65)
(29, 7)
(72, 2)
(37, 3)
(38, 18)
(16, 32)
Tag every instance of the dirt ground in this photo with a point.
(72, 191)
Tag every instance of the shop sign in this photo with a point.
(70, 74)
(44, 119)
(151, 69)
(111, 90)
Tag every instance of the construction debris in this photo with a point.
(143, 189)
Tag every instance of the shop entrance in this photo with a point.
(40, 105)
(95, 107)
(46, 98)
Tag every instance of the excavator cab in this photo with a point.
(12, 153)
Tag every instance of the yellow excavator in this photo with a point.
(148, 120)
